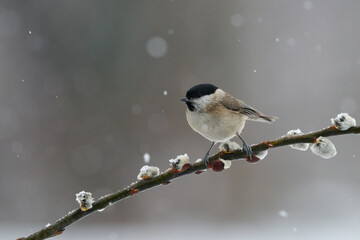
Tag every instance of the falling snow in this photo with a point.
(237, 20)
(157, 47)
(121, 109)
(146, 158)
(283, 213)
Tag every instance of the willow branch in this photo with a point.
(163, 179)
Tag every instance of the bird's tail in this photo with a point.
(255, 115)
(268, 118)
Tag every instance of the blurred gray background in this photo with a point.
(88, 87)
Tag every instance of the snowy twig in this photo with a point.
(164, 178)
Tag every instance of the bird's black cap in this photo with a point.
(200, 90)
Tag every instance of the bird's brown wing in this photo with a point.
(236, 105)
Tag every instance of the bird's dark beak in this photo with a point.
(184, 99)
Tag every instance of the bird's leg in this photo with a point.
(206, 158)
(246, 148)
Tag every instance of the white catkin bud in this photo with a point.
(179, 161)
(324, 148)
(229, 146)
(227, 163)
(343, 121)
(85, 200)
(147, 172)
(297, 146)
(261, 155)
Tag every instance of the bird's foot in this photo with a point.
(206, 160)
(248, 151)
(250, 157)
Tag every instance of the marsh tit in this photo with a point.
(218, 116)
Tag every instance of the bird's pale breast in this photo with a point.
(216, 127)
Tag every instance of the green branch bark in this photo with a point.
(163, 179)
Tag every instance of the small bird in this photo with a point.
(218, 116)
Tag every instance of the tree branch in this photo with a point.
(59, 226)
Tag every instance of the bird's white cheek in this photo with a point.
(201, 103)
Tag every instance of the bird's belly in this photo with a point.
(216, 128)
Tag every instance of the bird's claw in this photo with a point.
(248, 151)
(206, 160)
